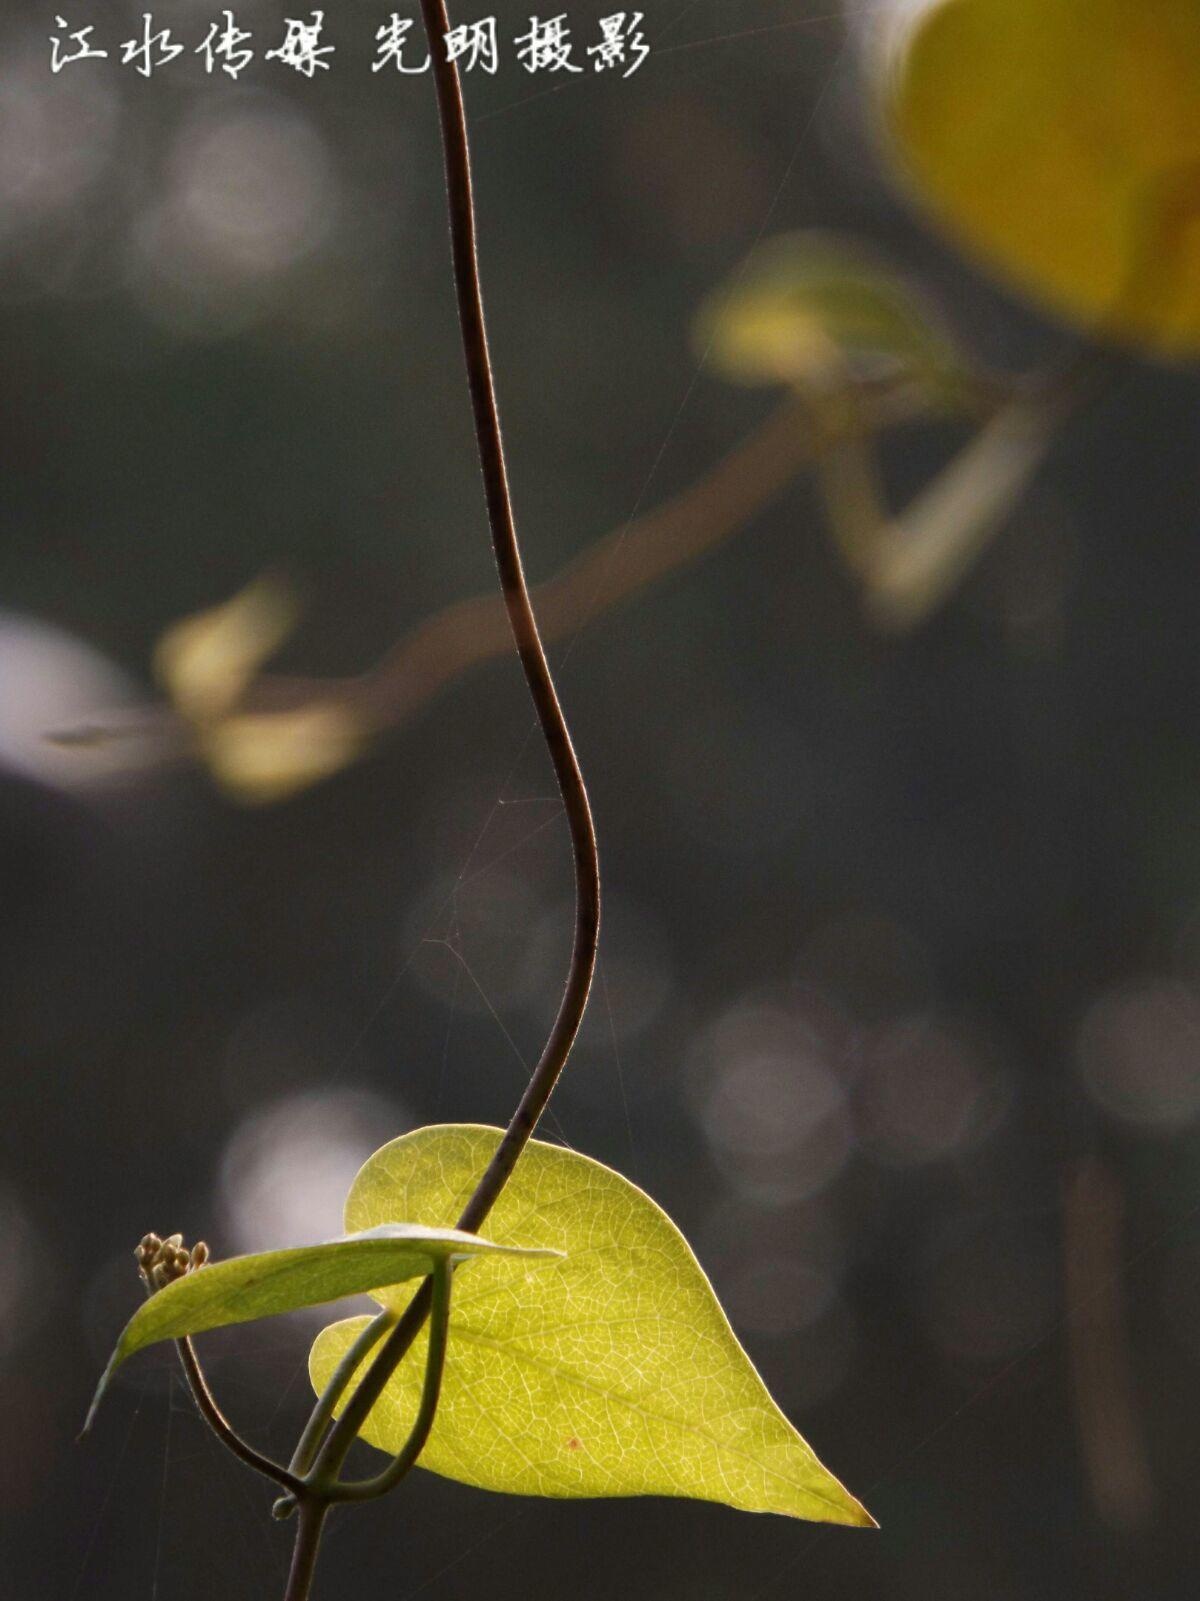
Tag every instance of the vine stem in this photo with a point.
(456, 151)
(435, 1362)
(314, 1430)
(557, 737)
(220, 1425)
(309, 1525)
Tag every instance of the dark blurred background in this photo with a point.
(898, 1012)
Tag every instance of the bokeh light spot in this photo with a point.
(1138, 1052)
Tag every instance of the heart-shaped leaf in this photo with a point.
(611, 1372)
(244, 1288)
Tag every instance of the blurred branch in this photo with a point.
(267, 735)
(911, 562)
(463, 635)
(614, 569)
(1109, 1424)
(857, 348)
(917, 558)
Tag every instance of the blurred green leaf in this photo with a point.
(244, 1288)
(809, 308)
(612, 1372)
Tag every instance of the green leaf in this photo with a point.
(807, 307)
(247, 1287)
(611, 1372)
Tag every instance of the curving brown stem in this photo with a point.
(217, 1421)
(469, 291)
(556, 734)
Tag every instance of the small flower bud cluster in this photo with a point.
(162, 1261)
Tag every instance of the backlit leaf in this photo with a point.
(612, 1372)
(243, 1288)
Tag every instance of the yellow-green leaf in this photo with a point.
(1060, 139)
(612, 1372)
(806, 308)
(244, 1288)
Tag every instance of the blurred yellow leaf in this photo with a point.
(807, 308)
(266, 756)
(205, 662)
(1060, 139)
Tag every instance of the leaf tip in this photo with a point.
(97, 1398)
(849, 1511)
